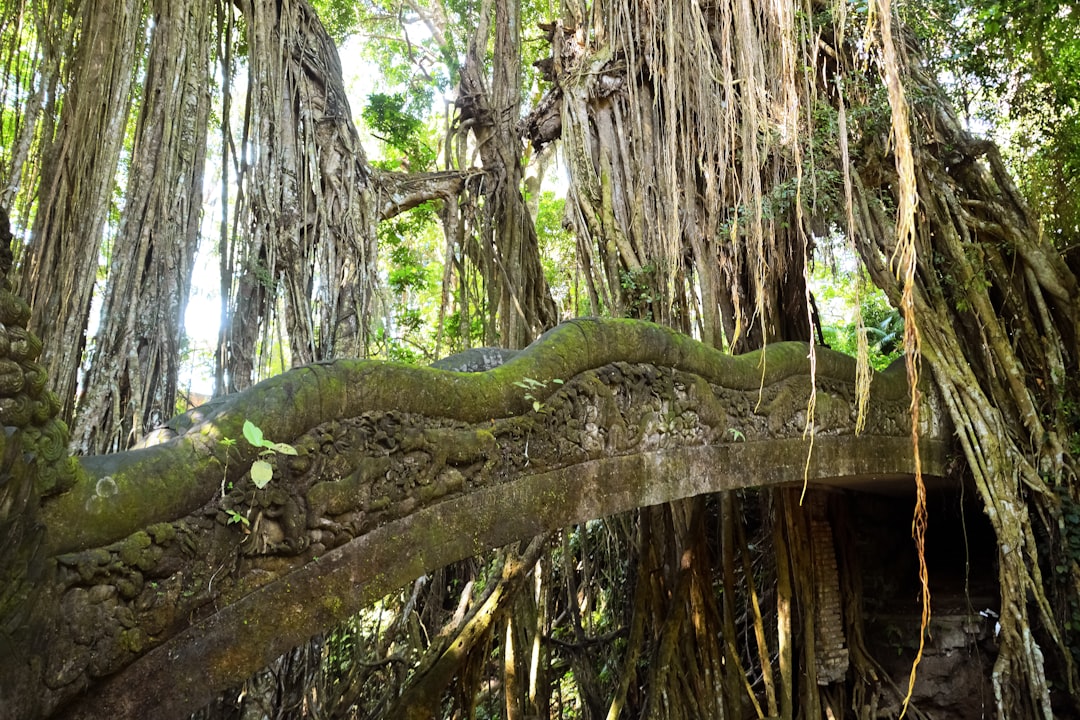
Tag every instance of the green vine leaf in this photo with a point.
(282, 448)
(235, 517)
(261, 473)
(253, 434)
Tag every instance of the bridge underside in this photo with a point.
(250, 632)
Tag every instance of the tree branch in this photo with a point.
(399, 192)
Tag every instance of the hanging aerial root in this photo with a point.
(904, 262)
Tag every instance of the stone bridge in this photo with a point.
(157, 595)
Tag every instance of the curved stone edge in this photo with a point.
(123, 492)
(222, 650)
(479, 359)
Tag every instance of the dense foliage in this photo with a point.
(1012, 68)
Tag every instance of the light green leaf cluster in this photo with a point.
(261, 471)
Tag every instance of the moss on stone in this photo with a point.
(162, 533)
(133, 640)
(132, 548)
(333, 604)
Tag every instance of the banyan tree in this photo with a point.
(712, 150)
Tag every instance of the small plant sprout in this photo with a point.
(737, 435)
(530, 385)
(235, 517)
(261, 471)
(228, 444)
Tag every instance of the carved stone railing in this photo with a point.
(153, 601)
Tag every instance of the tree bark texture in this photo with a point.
(507, 249)
(995, 306)
(306, 228)
(32, 75)
(130, 385)
(77, 183)
(683, 172)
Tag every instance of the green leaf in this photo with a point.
(235, 517)
(253, 434)
(261, 473)
(283, 448)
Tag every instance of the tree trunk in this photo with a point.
(993, 306)
(684, 194)
(131, 383)
(32, 70)
(682, 201)
(76, 194)
(306, 229)
(507, 243)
